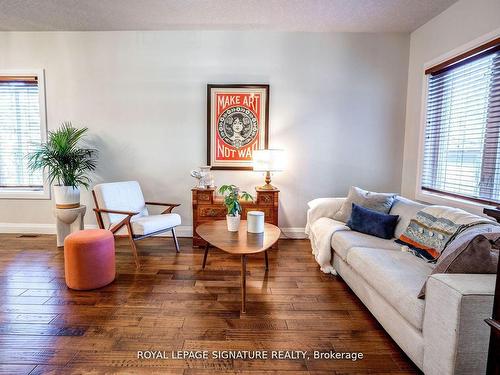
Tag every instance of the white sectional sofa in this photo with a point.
(444, 333)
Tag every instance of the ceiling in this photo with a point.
(277, 15)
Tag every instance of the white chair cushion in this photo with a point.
(397, 276)
(343, 241)
(122, 196)
(153, 223)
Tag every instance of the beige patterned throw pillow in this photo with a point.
(380, 202)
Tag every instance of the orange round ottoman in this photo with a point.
(89, 259)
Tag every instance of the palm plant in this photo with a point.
(61, 156)
(232, 196)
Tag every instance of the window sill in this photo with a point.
(443, 200)
(24, 194)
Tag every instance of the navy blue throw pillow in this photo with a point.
(372, 222)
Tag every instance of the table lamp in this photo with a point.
(268, 161)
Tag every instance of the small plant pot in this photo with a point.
(233, 223)
(66, 196)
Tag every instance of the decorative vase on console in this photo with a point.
(204, 177)
(232, 198)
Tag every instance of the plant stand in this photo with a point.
(68, 220)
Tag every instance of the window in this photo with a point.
(22, 129)
(461, 155)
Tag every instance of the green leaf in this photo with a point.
(231, 208)
(231, 197)
(246, 196)
(62, 157)
(223, 189)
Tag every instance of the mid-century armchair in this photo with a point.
(121, 205)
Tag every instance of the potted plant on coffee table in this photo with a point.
(66, 162)
(232, 196)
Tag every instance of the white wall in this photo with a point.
(459, 25)
(337, 106)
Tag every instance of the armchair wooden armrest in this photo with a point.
(170, 206)
(104, 210)
(124, 222)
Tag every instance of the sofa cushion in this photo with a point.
(343, 241)
(427, 235)
(154, 223)
(380, 202)
(471, 253)
(372, 222)
(397, 276)
(121, 196)
(407, 210)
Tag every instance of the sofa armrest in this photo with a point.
(322, 207)
(455, 335)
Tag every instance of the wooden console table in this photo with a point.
(207, 206)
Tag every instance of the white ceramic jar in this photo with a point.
(255, 221)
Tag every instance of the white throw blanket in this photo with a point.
(320, 234)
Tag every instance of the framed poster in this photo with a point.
(237, 124)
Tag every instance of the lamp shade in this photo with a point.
(268, 160)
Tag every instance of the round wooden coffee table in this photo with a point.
(240, 243)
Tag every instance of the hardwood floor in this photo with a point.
(170, 304)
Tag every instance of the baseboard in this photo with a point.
(296, 233)
(30, 228)
(181, 231)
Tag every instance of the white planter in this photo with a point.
(233, 223)
(66, 196)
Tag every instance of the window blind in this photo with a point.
(461, 147)
(20, 131)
